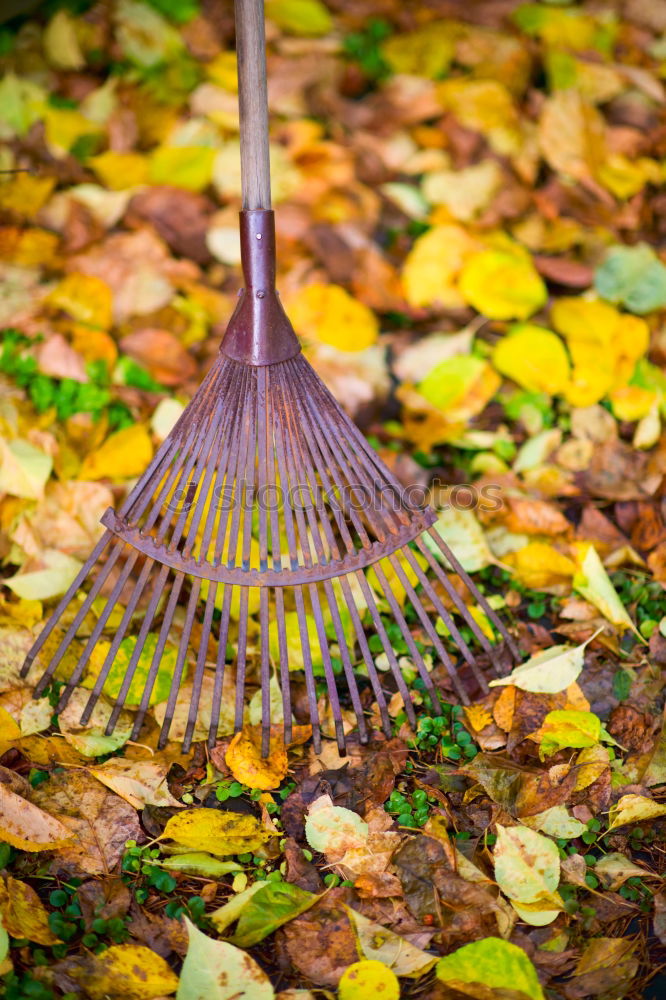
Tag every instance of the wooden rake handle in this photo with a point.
(253, 104)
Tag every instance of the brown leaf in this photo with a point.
(105, 899)
(161, 353)
(300, 871)
(320, 942)
(180, 217)
(100, 822)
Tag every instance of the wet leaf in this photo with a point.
(218, 833)
(366, 979)
(216, 970)
(483, 967)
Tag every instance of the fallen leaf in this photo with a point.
(245, 761)
(216, 970)
(614, 869)
(462, 532)
(368, 978)
(433, 265)
(273, 905)
(634, 809)
(527, 870)
(23, 914)
(534, 357)
(24, 469)
(27, 827)
(219, 833)
(139, 782)
(127, 971)
(568, 728)
(123, 455)
(483, 967)
(548, 671)
(327, 314)
(383, 945)
(592, 581)
(334, 830)
(502, 284)
(633, 276)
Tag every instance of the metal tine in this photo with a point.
(180, 664)
(288, 513)
(308, 669)
(429, 627)
(97, 628)
(444, 614)
(345, 429)
(474, 591)
(188, 421)
(241, 660)
(346, 661)
(265, 674)
(407, 635)
(158, 590)
(284, 453)
(38, 644)
(459, 603)
(276, 549)
(333, 433)
(387, 646)
(325, 524)
(261, 473)
(117, 639)
(328, 667)
(174, 595)
(367, 655)
(227, 473)
(200, 667)
(220, 666)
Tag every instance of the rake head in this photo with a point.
(264, 500)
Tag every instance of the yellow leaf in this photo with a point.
(539, 565)
(28, 828)
(217, 970)
(502, 284)
(572, 135)
(118, 171)
(223, 71)
(567, 728)
(624, 177)
(61, 44)
(24, 195)
(484, 106)
(527, 870)
(465, 192)
(127, 971)
(460, 387)
(85, 298)
(550, 671)
(244, 760)
(431, 269)
(533, 357)
(329, 315)
(63, 126)
(29, 248)
(632, 402)
(189, 167)
(634, 809)
(368, 979)
(464, 535)
(294, 645)
(124, 454)
(428, 51)
(23, 913)
(218, 833)
(56, 574)
(139, 782)
(300, 17)
(592, 581)
(591, 763)
(9, 730)
(94, 345)
(395, 583)
(24, 469)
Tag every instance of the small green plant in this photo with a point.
(364, 48)
(412, 810)
(142, 862)
(22, 986)
(447, 734)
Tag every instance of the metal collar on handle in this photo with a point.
(259, 332)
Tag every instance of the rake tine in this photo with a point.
(220, 666)
(308, 668)
(446, 617)
(158, 589)
(157, 655)
(388, 648)
(283, 653)
(407, 635)
(37, 645)
(241, 660)
(346, 661)
(265, 675)
(115, 644)
(77, 673)
(430, 628)
(180, 664)
(367, 655)
(328, 667)
(201, 664)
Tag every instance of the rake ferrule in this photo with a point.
(259, 332)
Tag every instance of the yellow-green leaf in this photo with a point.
(502, 284)
(568, 728)
(593, 583)
(534, 357)
(527, 870)
(216, 970)
(300, 17)
(483, 967)
(218, 833)
(634, 809)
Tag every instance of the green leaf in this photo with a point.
(634, 277)
(593, 583)
(216, 970)
(199, 863)
(300, 17)
(119, 666)
(492, 964)
(272, 906)
(568, 728)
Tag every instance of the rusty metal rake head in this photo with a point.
(264, 500)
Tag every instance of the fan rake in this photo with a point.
(265, 499)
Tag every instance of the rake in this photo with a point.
(264, 499)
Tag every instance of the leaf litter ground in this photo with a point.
(470, 221)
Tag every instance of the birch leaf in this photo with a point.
(216, 970)
(550, 671)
